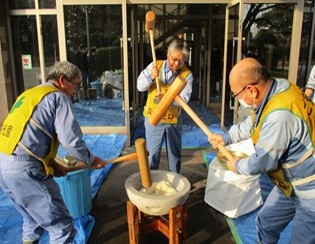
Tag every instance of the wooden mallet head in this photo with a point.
(169, 97)
(149, 21)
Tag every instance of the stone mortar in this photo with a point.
(154, 204)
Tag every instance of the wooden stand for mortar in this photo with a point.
(173, 225)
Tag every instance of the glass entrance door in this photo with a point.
(250, 34)
(49, 40)
(93, 34)
(232, 54)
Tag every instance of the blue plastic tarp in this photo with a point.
(104, 146)
(100, 112)
(192, 135)
(243, 227)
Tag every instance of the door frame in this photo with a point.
(238, 40)
(295, 41)
(58, 11)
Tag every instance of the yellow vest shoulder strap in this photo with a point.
(14, 125)
(293, 100)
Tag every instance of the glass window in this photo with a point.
(309, 3)
(233, 32)
(93, 44)
(26, 51)
(21, 4)
(269, 42)
(304, 65)
(47, 3)
(50, 40)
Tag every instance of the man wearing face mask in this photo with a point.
(283, 131)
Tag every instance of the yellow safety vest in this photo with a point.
(295, 101)
(15, 123)
(171, 115)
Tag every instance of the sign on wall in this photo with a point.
(27, 61)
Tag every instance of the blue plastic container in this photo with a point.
(98, 86)
(75, 189)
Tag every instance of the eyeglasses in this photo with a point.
(177, 60)
(74, 83)
(251, 84)
(77, 84)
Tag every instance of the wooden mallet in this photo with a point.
(80, 165)
(143, 163)
(149, 27)
(169, 97)
(163, 105)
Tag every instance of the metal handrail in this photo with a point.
(160, 22)
(165, 30)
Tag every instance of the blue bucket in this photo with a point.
(75, 189)
(98, 86)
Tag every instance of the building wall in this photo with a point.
(6, 78)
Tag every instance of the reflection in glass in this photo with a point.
(47, 3)
(269, 42)
(50, 40)
(305, 62)
(309, 3)
(21, 4)
(26, 51)
(233, 32)
(93, 44)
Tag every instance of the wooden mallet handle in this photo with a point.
(149, 27)
(201, 124)
(127, 157)
(169, 97)
(143, 162)
(80, 165)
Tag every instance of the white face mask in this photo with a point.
(245, 105)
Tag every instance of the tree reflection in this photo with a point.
(93, 44)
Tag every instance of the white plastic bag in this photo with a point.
(229, 193)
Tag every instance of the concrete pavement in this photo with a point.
(205, 224)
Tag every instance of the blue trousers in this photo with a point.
(278, 211)
(172, 133)
(37, 198)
